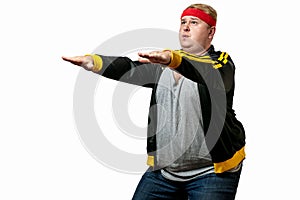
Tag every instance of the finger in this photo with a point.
(66, 58)
(144, 60)
(73, 59)
(144, 55)
(76, 58)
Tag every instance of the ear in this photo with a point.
(211, 32)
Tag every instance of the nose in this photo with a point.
(186, 27)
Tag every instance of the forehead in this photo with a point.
(190, 18)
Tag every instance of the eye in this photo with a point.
(194, 22)
(183, 22)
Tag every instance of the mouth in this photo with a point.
(185, 36)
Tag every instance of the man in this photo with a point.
(195, 143)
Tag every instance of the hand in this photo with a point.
(84, 61)
(162, 57)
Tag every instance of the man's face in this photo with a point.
(194, 34)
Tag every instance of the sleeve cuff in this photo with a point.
(176, 59)
(98, 63)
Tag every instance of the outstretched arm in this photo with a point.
(143, 72)
(87, 62)
(201, 69)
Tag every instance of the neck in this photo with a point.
(198, 52)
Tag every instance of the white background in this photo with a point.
(41, 155)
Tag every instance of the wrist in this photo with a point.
(96, 62)
(168, 55)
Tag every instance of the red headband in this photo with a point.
(200, 14)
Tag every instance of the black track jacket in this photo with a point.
(214, 73)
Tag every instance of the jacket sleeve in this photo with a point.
(125, 70)
(216, 72)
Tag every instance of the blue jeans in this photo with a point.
(207, 187)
